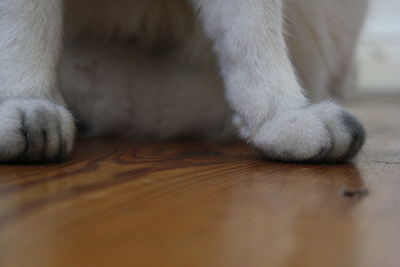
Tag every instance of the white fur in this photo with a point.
(145, 68)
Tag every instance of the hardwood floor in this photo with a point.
(118, 203)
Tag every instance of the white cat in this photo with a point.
(161, 69)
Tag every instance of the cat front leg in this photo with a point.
(34, 124)
(271, 111)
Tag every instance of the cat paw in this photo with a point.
(324, 133)
(34, 130)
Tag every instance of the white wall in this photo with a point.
(378, 57)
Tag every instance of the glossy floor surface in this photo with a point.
(117, 203)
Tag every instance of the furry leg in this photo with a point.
(34, 126)
(262, 88)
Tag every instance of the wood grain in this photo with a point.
(120, 203)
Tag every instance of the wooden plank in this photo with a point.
(121, 203)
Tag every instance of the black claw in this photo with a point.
(62, 151)
(22, 157)
(321, 155)
(357, 132)
(44, 148)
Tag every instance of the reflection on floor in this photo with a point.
(117, 203)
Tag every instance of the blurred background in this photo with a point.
(378, 56)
